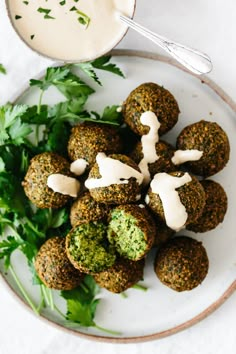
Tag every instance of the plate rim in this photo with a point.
(207, 311)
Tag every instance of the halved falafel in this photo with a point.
(181, 263)
(121, 276)
(54, 268)
(191, 195)
(86, 209)
(215, 208)
(210, 138)
(124, 192)
(88, 139)
(150, 97)
(131, 230)
(88, 249)
(35, 181)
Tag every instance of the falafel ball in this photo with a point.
(35, 181)
(163, 232)
(210, 138)
(53, 266)
(121, 276)
(164, 151)
(132, 231)
(191, 194)
(88, 249)
(122, 193)
(181, 263)
(150, 97)
(86, 209)
(88, 139)
(215, 208)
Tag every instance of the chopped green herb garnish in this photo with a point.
(73, 8)
(46, 13)
(18, 17)
(26, 2)
(2, 69)
(32, 36)
(62, 3)
(83, 18)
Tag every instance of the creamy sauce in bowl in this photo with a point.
(70, 30)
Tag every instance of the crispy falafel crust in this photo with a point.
(54, 268)
(181, 263)
(86, 209)
(121, 276)
(165, 152)
(88, 139)
(150, 97)
(191, 194)
(215, 208)
(210, 138)
(116, 193)
(35, 181)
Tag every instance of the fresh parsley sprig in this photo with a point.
(102, 63)
(82, 303)
(23, 227)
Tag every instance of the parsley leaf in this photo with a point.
(73, 87)
(12, 129)
(52, 77)
(7, 247)
(102, 63)
(81, 303)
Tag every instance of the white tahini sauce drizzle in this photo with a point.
(112, 172)
(63, 184)
(182, 156)
(165, 186)
(147, 199)
(78, 166)
(148, 142)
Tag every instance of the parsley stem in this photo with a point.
(116, 333)
(22, 290)
(139, 287)
(59, 311)
(47, 293)
(40, 101)
(42, 302)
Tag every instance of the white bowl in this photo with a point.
(55, 32)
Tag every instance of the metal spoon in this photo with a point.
(194, 60)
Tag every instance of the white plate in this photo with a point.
(160, 311)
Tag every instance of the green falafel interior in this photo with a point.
(88, 249)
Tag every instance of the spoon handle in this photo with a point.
(192, 59)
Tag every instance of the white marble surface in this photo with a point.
(208, 25)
